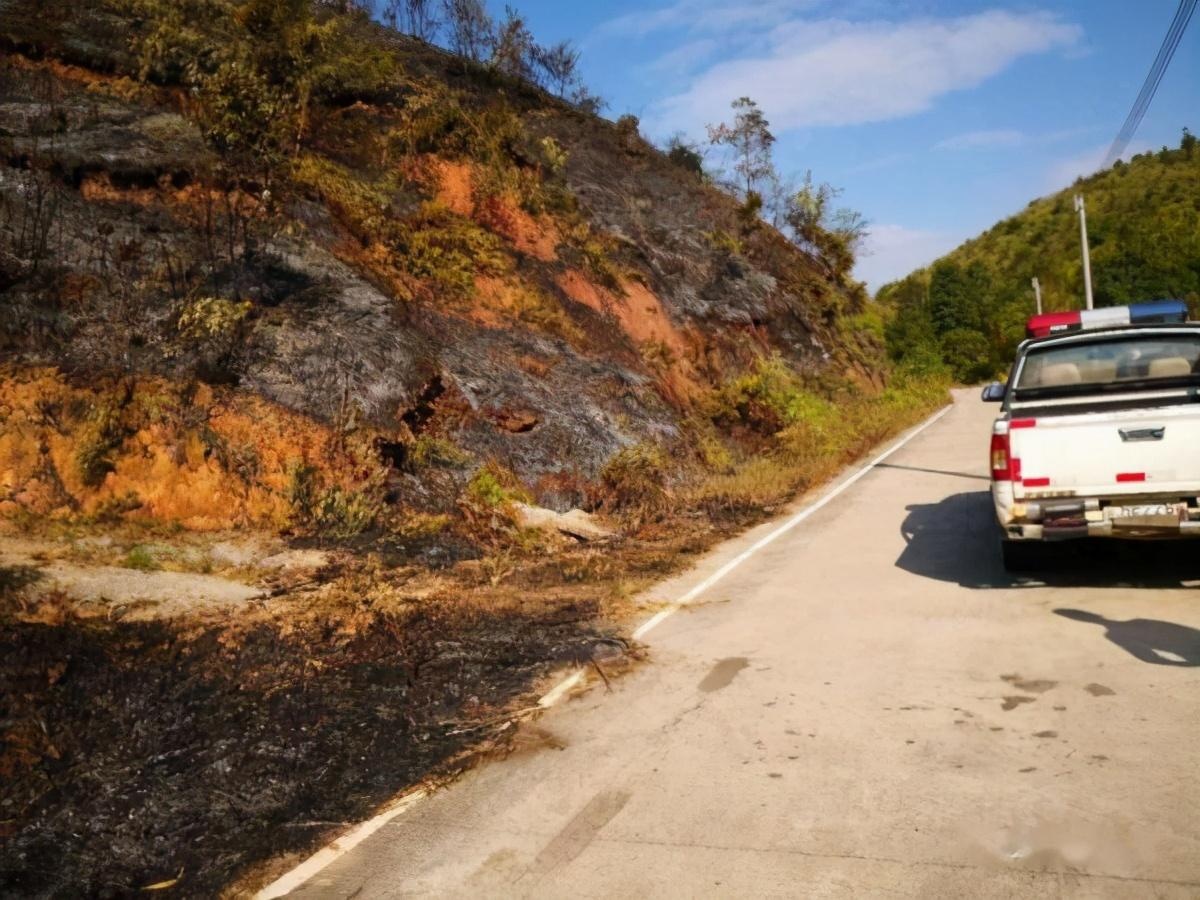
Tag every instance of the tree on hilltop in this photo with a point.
(750, 140)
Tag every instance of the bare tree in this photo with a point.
(591, 103)
(560, 63)
(750, 139)
(515, 52)
(472, 31)
(416, 17)
(778, 193)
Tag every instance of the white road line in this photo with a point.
(343, 845)
(783, 529)
(347, 842)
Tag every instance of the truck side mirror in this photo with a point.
(994, 392)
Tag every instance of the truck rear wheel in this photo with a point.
(1022, 556)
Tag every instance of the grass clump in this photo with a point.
(805, 434)
(212, 318)
(487, 489)
(593, 253)
(447, 250)
(428, 451)
(143, 558)
(102, 433)
(635, 481)
(725, 242)
(487, 505)
(332, 511)
(544, 312)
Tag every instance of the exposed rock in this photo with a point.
(576, 523)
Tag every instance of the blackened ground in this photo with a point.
(139, 753)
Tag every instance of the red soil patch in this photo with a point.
(644, 320)
(192, 200)
(493, 304)
(455, 184)
(230, 466)
(639, 312)
(455, 188)
(121, 86)
(535, 237)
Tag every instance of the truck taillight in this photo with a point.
(1001, 468)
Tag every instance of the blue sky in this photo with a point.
(936, 117)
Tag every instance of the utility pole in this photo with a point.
(1037, 295)
(1087, 259)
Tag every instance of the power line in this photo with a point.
(1166, 51)
(1153, 79)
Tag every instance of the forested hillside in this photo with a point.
(967, 311)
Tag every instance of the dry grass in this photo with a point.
(815, 436)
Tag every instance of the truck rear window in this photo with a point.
(1130, 362)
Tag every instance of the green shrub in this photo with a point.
(554, 155)
(427, 451)
(212, 318)
(763, 399)
(686, 156)
(629, 134)
(447, 249)
(335, 511)
(485, 489)
(142, 558)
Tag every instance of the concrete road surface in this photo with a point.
(868, 707)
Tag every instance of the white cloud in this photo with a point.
(699, 16)
(685, 59)
(1006, 137)
(893, 251)
(836, 72)
(974, 140)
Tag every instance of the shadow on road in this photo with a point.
(1150, 640)
(957, 540)
(968, 475)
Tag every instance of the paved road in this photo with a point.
(868, 707)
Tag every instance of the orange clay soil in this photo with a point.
(222, 460)
(642, 317)
(454, 186)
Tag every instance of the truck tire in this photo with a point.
(1022, 556)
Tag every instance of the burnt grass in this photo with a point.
(139, 753)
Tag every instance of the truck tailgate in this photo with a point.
(1108, 454)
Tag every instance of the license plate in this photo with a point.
(1151, 515)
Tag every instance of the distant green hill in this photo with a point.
(968, 309)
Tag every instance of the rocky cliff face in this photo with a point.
(541, 299)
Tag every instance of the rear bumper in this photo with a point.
(1098, 530)
(1147, 515)
(1069, 520)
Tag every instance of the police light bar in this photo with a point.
(1154, 312)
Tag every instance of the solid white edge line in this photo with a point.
(293, 879)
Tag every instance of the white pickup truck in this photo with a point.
(1099, 434)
